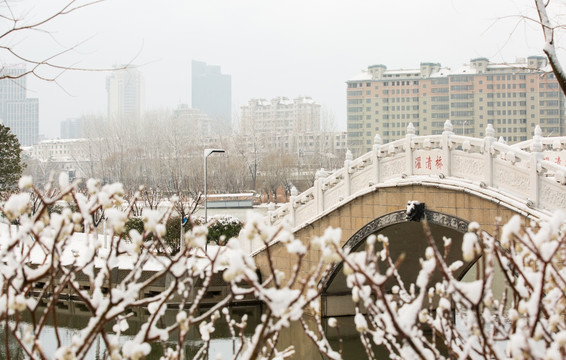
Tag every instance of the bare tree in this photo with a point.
(249, 150)
(276, 173)
(19, 24)
(549, 31)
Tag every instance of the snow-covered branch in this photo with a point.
(514, 306)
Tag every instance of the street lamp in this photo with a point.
(207, 152)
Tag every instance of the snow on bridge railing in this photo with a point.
(530, 172)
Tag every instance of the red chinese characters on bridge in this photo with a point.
(556, 158)
(438, 163)
(428, 162)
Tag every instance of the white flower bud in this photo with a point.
(26, 182)
(63, 180)
(332, 322)
(347, 269)
(423, 316)
(355, 295)
(160, 229)
(513, 315)
(429, 253)
(361, 323)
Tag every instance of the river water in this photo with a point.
(71, 318)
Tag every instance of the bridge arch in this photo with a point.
(406, 237)
(393, 223)
(446, 205)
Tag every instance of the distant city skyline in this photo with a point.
(267, 50)
(17, 111)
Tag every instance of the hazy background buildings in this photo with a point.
(73, 128)
(195, 123)
(268, 51)
(212, 94)
(280, 115)
(126, 93)
(17, 111)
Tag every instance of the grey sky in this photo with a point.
(271, 48)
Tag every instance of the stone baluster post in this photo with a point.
(536, 156)
(347, 172)
(376, 154)
(320, 177)
(270, 210)
(292, 211)
(488, 141)
(446, 144)
(408, 147)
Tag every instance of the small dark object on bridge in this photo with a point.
(415, 211)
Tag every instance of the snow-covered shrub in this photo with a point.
(173, 234)
(221, 228)
(133, 223)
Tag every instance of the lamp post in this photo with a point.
(207, 153)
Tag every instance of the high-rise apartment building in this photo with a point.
(126, 94)
(280, 115)
(513, 97)
(212, 94)
(17, 111)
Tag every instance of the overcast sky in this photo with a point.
(271, 48)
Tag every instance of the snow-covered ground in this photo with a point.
(81, 246)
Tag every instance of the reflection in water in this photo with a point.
(351, 343)
(72, 319)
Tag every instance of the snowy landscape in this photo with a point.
(290, 209)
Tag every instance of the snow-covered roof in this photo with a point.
(402, 72)
(364, 75)
(466, 69)
(441, 73)
(212, 196)
(284, 101)
(518, 65)
(304, 100)
(61, 141)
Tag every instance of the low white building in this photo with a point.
(280, 115)
(58, 155)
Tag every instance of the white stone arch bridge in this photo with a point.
(458, 178)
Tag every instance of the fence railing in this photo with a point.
(533, 172)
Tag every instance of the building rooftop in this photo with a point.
(520, 64)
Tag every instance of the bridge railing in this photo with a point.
(531, 173)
